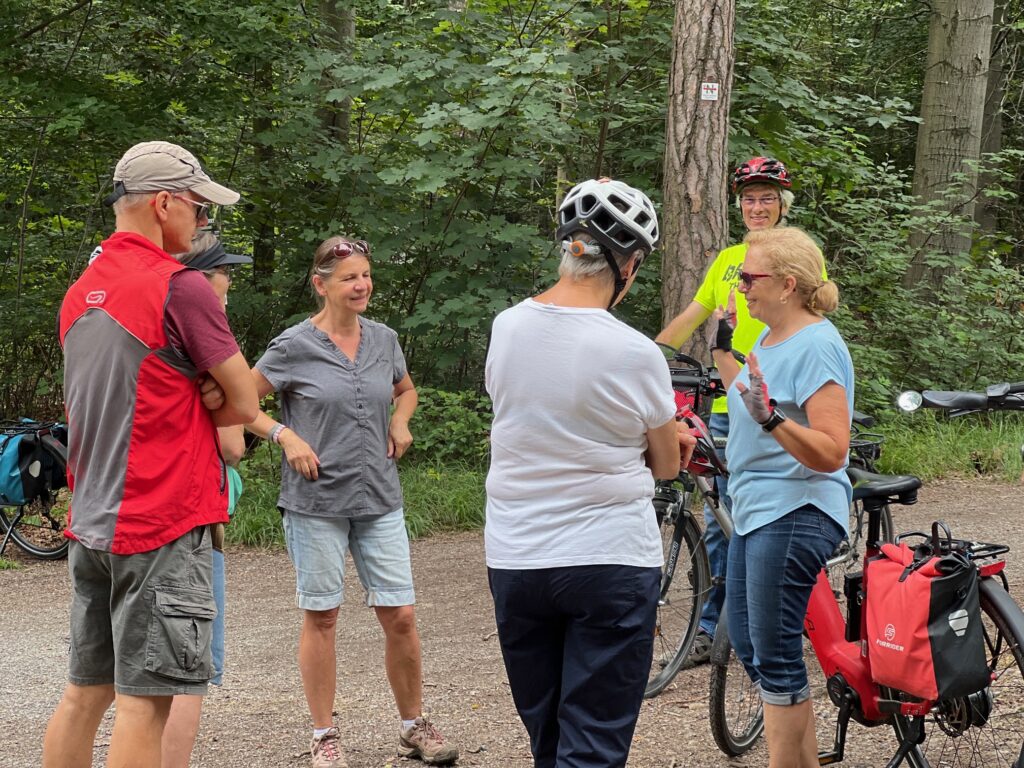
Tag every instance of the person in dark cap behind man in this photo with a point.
(209, 257)
(139, 332)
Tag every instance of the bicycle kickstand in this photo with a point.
(10, 529)
(839, 744)
(913, 737)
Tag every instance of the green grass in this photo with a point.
(7, 565)
(932, 446)
(437, 498)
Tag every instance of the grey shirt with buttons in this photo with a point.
(342, 409)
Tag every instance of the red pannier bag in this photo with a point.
(923, 620)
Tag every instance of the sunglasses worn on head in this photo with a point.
(341, 250)
(747, 279)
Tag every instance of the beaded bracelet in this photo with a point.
(275, 433)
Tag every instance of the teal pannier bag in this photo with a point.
(21, 468)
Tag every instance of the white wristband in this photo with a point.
(275, 433)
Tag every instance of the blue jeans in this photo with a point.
(714, 537)
(577, 643)
(772, 571)
(217, 646)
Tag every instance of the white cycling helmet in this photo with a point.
(619, 217)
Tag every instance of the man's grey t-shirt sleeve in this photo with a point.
(274, 364)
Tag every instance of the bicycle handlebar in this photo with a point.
(997, 397)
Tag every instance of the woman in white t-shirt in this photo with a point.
(583, 423)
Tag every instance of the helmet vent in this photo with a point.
(587, 204)
(619, 203)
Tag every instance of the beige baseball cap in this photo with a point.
(158, 166)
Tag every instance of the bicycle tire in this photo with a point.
(685, 583)
(735, 709)
(955, 736)
(40, 531)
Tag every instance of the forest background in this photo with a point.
(445, 133)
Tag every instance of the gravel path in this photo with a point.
(259, 716)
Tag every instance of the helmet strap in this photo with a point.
(620, 281)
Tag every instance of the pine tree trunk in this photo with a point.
(695, 213)
(987, 213)
(949, 138)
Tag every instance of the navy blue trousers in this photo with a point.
(577, 644)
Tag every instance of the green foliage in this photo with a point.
(7, 565)
(445, 133)
(438, 497)
(256, 521)
(450, 428)
(442, 497)
(932, 446)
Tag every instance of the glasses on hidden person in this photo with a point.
(224, 269)
(762, 200)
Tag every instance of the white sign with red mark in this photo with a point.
(709, 91)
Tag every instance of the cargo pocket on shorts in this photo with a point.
(180, 634)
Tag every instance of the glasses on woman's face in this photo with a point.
(223, 269)
(747, 279)
(765, 201)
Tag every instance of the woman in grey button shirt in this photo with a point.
(337, 375)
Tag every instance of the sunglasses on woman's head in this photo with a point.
(341, 250)
(747, 279)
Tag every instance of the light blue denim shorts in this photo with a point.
(380, 551)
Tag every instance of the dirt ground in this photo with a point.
(258, 718)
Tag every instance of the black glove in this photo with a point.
(719, 334)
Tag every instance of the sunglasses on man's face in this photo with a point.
(747, 279)
(202, 209)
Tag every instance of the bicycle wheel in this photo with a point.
(849, 555)
(734, 706)
(40, 530)
(986, 728)
(685, 582)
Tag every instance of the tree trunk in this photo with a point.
(987, 213)
(340, 25)
(949, 138)
(695, 213)
(264, 253)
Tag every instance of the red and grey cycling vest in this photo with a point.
(144, 460)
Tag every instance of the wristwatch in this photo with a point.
(775, 419)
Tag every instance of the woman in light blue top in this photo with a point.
(787, 455)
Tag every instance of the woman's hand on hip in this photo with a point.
(300, 456)
(399, 439)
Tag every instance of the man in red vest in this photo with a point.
(140, 332)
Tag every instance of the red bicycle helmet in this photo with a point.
(766, 170)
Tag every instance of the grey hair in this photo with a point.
(203, 241)
(132, 199)
(582, 267)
